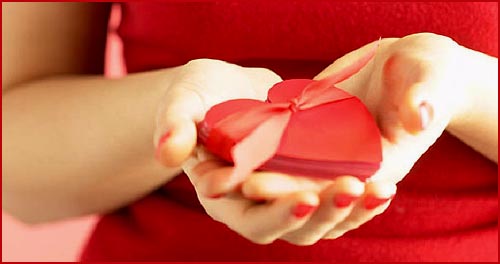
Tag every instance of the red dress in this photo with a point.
(446, 209)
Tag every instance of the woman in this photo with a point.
(92, 151)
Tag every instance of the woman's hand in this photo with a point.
(416, 87)
(199, 85)
(413, 88)
(268, 206)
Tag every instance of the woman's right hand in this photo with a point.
(199, 85)
(196, 87)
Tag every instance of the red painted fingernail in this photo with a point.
(260, 201)
(343, 200)
(302, 210)
(426, 114)
(216, 196)
(372, 202)
(160, 143)
(257, 199)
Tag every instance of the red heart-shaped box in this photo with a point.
(306, 127)
(328, 140)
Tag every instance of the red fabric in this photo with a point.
(446, 209)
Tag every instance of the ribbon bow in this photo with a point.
(262, 127)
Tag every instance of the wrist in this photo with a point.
(476, 123)
(477, 82)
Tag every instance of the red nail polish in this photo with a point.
(371, 202)
(257, 199)
(302, 210)
(260, 201)
(160, 143)
(426, 114)
(342, 200)
(216, 196)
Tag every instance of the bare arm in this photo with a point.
(72, 144)
(477, 121)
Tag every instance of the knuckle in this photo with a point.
(302, 241)
(253, 187)
(217, 216)
(258, 239)
(326, 219)
(202, 167)
(264, 77)
(268, 72)
(204, 62)
(334, 234)
(262, 241)
(429, 39)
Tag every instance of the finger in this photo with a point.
(350, 57)
(352, 84)
(176, 133)
(203, 154)
(264, 223)
(176, 144)
(271, 185)
(209, 177)
(417, 111)
(375, 200)
(199, 163)
(416, 92)
(262, 80)
(216, 175)
(214, 181)
(184, 106)
(407, 88)
(213, 176)
(336, 203)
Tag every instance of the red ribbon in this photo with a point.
(264, 125)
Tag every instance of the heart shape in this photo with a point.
(305, 127)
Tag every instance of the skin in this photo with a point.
(404, 73)
(89, 158)
(70, 167)
(68, 146)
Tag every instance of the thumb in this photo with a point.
(176, 144)
(419, 91)
(345, 61)
(356, 85)
(176, 133)
(353, 56)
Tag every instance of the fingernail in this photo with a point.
(160, 143)
(342, 200)
(426, 114)
(301, 210)
(371, 202)
(216, 196)
(257, 199)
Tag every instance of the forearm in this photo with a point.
(79, 145)
(476, 122)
